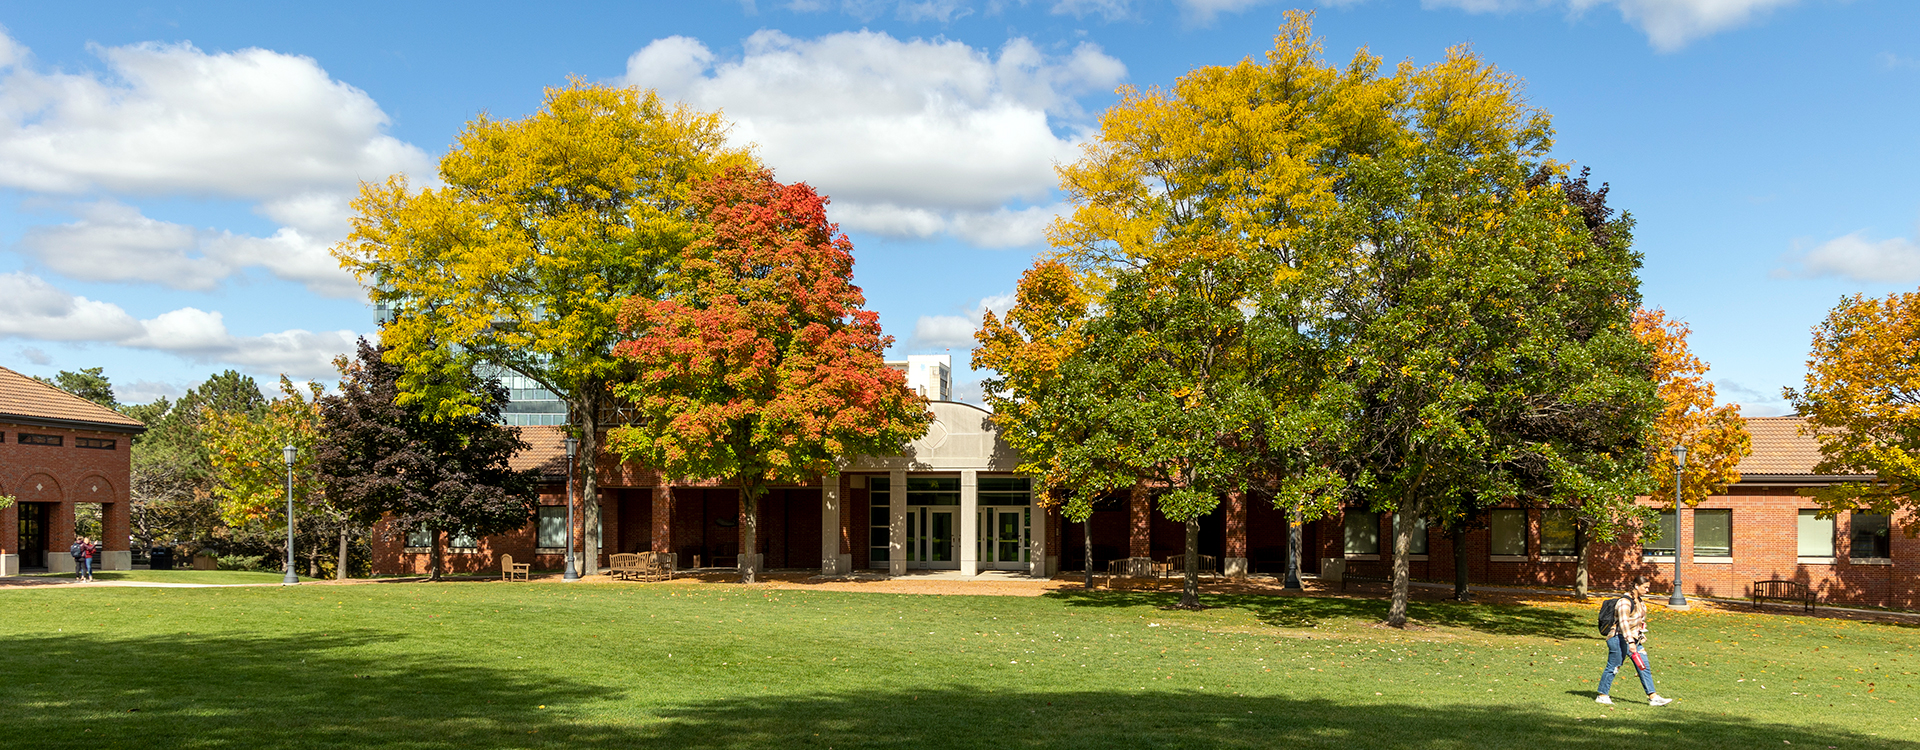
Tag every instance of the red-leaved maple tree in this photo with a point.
(761, 366)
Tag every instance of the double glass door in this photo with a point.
(1004, 543)
(930, 532)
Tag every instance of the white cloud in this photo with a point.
(1753, 403)
(113, 242)
(34, 355)
(1857, 258)
(955, 331)
(1110, 10)
(173, 119)
(30, 308)
(146, 391)
(910, 138)
(1668, 24)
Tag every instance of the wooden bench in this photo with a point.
(512, 571)
(1365, 574)
(644, 566)
(1781, 590)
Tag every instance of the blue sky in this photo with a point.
(171, 177)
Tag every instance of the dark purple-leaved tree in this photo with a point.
(380, 457)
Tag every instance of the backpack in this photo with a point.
(78, 550)
(1610, 614)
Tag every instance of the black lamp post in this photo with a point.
(1679, 598)
(288, 453)
(572, 573)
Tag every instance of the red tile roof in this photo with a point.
(29, 401)
(548, 451)
(1780, 448)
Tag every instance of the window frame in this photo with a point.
(407, 540)
(554, 549)
(98, 444)
(1694, 551)
(1800, 535)
(39, 438)
(1371, 523)
(1853, 537)
(1572, 550)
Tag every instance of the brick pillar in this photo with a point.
(1236, 557)
(1139, 522)
(9, 538)
(663, 519)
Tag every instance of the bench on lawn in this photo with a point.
(1365, 573)
(513, 571)
(1781, 590)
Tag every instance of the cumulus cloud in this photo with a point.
(1855, 257)
(911, 138)
(955, 331)
(172, 119)
(112, 241)
(147, 391)
(1753, 402)
(1668, 24)
(30, 308)
(34, 355)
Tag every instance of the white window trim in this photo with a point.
(1560, 558)
(549, 550)
(1508, 558)
(1870, 561)
(417, 550)
(1713, 560)
(1363, 558)
(1416, 558)
(1815, 560)
(1656, 558)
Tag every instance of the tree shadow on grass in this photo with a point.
(218, 691)
(1308, 611)
(357, 690)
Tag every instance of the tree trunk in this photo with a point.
(1402, 547)
(588, 462)
(439, 557)
(313, 561)
(1087, 527)
(749, 533)
(1459, 535)
(1293, 551)
(1190, 594)
(340, 566)
(1580, 568)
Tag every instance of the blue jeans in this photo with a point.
(1617, 653)
(86, 567)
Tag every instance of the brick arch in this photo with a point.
(95, 487)
(39, 486)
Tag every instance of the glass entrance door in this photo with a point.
(1003, 538)
(33, 535)
(930, 539)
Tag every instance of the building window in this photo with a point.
(99, 444)
(550, 527)
(1363, 532)
(420, 538)
(1558, 535)
(933, 490)
(1816, 534)
(1659, 540)
(1871, 534)
(1510, 532)
(1006, 491)
(1713, 532)
(462, 541)
(28, 438)
(879, 522)
(1418, 546)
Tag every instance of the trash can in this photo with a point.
(160, 558)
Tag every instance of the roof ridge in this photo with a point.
(19, 399)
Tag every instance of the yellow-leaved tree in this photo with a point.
(521, 262)
(249, 471)
(1862, 402)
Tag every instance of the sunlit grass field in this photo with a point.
(211, 577)
(482, 665)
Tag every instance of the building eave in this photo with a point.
(72, 424)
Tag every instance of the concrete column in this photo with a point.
(969, 540)
(9, 565)
(850, 517)
(1037, 537)
(1236, 557)
(830, 511)
(897, 538)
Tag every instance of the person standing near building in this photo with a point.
(82, 568)
(1625, 628)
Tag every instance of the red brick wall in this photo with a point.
(65, 475)
(1765, 546)
(1140, 523)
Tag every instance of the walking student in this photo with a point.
(1623, 621)
(82, 552)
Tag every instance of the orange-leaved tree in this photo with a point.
(760, 365)
(1862, 402)
(1715, 436)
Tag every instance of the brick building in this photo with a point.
(953, 502)
(57, 452)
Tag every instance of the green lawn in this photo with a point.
(479, 665)
(180, 576)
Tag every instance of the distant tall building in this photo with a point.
(930, 375)
(528, 404)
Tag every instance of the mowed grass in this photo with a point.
(483, 665)
(209, 577)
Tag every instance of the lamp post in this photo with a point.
(572, 573)
(288, 453)
(1679, 598)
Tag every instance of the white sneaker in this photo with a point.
(1658, 701)
(1602, 698)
